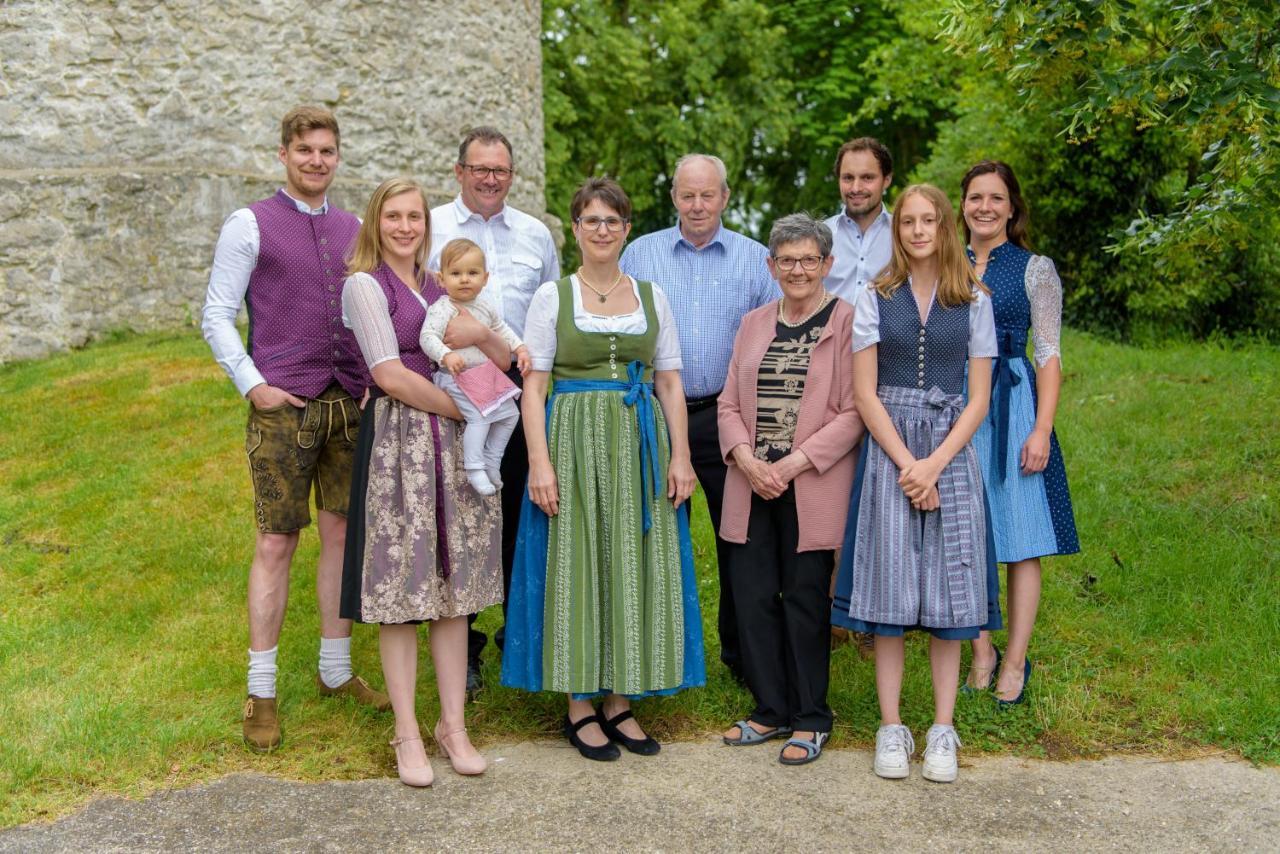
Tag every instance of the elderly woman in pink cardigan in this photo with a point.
(787, 432)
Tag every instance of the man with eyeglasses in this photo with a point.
(863, 229)
(712, 277)
(520, 255)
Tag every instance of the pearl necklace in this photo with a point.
(826, 298)
(603, 295)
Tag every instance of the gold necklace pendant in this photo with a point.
(601, 295)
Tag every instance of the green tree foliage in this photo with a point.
(827, 52)
(1113, 83)
(1145, 131)
(631, 86)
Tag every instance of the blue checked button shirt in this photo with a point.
(710, 289)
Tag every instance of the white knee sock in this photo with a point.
(262, 672)
(335, 661)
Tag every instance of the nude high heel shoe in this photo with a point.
(417, 776)
(467, 767)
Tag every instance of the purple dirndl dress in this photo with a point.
(421, 544)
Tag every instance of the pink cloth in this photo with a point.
(827, 428)
(486, 386)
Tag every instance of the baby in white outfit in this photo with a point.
(492, 415)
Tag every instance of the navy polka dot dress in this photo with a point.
(1031, 514)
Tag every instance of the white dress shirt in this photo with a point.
(234, 260)
(518, 252)
(859, 257)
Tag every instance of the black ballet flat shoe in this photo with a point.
(1006, 705)
(603, 753)
(641, 746)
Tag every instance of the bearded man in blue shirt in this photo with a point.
(712, 277)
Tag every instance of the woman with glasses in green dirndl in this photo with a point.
(603, 599)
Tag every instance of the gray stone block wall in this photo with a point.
(130, 130)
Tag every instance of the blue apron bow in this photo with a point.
(1005, 379)
(637, 394)
(957, 506)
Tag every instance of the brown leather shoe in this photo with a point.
(866, 643)
(359, 689)
(261, 724)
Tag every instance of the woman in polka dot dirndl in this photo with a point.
(1021, 462)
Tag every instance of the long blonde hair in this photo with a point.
(956, 279)
(366, 251)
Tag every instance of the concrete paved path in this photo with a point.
(701, 797)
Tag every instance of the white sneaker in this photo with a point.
(894, 747)
(940, 764)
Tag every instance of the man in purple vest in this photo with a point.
(284, 258)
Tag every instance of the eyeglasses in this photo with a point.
(593, 223)
(486, 172)
(809, 262)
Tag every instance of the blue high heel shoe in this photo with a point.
(1022, 695)
(966, 688)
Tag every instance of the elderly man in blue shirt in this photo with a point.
(712, 277)
(863, 230)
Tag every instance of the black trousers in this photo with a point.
(708, 465)
(784, 618)
(515, 474)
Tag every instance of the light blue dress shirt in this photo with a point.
(710, 289)
(859, 257)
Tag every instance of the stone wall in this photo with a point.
(129, 130)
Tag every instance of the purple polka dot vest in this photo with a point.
(296, 337)
(407, 317)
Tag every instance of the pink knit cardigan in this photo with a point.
(827, 429)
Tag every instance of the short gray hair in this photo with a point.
(796, 227)
(709, 158)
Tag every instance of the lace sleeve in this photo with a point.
(364, 310)
(1044, 290)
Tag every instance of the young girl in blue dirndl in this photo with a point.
(916, 552)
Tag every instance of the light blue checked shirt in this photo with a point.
(710, 289)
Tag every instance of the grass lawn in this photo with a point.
(125, 533)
